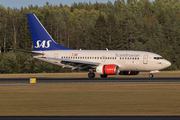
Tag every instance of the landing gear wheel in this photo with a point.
(151, 75)
(103, 76)
(91, 75)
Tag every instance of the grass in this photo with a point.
(90, 100)
(84, 75)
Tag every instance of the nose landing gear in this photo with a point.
(151, 75)
(152, 72)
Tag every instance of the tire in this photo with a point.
(103, 76)
(151, 75)
(91, 75)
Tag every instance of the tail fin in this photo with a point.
(41, 39)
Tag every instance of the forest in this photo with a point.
(123, 25)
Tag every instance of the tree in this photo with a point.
(132, 25)
(114, 38)
(100, 39)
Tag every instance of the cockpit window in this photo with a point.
(157, 58)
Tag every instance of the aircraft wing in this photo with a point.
(78, 64)
(33, 52)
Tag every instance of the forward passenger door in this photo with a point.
(145, 59)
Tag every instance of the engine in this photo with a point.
(129, 73)
(107, 69)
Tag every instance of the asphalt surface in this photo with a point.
(38, 80)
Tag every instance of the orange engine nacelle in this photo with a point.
(107, 70)
(129, 73)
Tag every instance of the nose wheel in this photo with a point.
(151, 75)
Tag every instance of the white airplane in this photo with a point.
(103, 62)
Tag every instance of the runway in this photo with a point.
(49, 80)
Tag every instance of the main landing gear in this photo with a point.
(91, 74)
(151, 75)
(103, 76)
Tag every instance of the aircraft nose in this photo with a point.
(167, 63)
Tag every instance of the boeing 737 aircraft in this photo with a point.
(103, 62)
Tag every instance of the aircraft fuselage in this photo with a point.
(126, 60)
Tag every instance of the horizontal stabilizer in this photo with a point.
(27, 51)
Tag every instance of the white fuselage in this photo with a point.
(126, 60)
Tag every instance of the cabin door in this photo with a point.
(145, 59)
(56, 56)
(104, 58)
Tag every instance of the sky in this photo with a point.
(25, 3)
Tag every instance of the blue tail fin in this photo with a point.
(41, 39)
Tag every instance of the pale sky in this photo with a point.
(25, 3)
